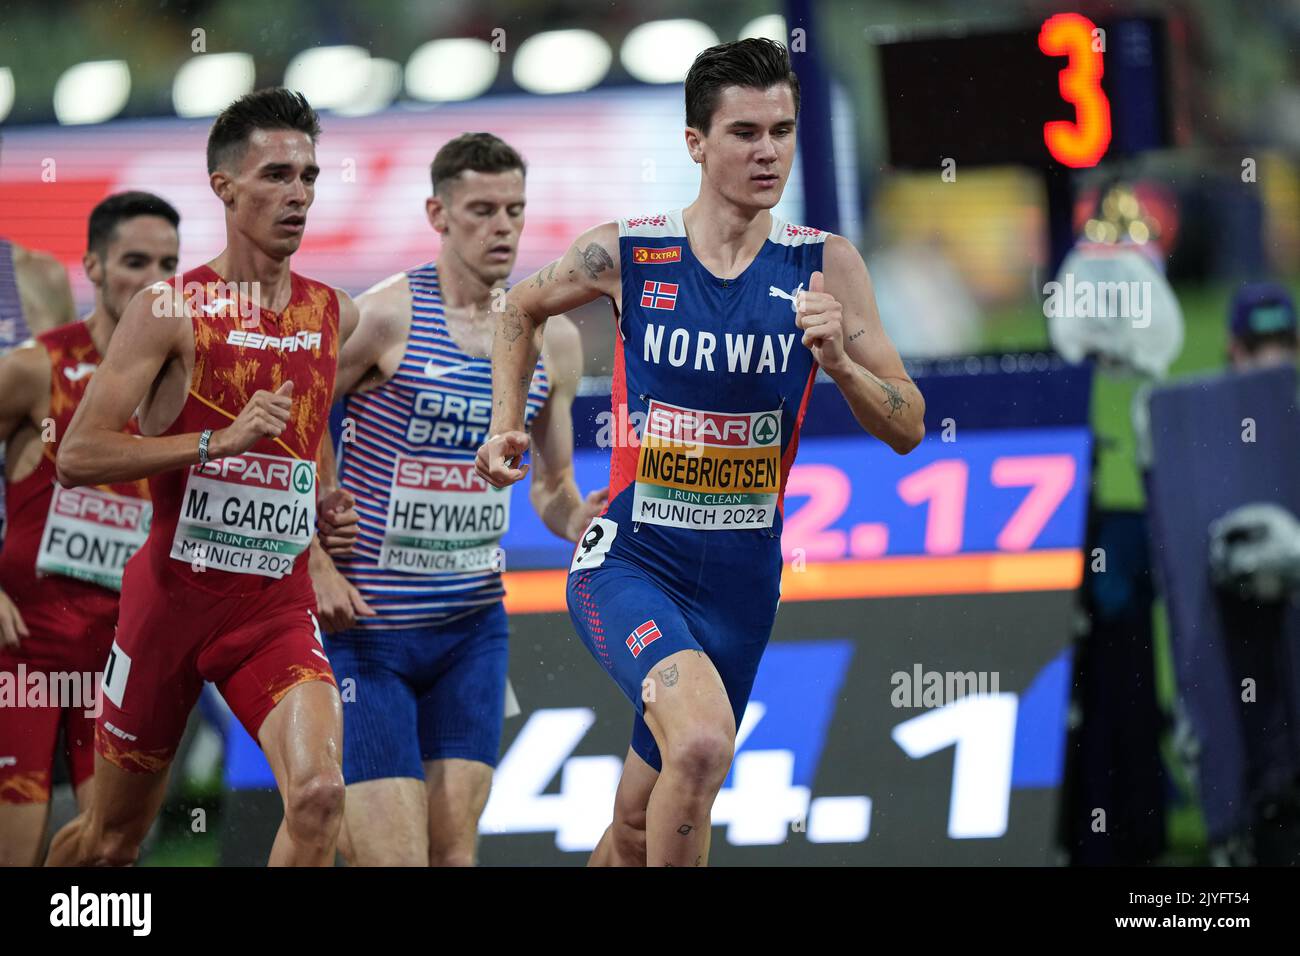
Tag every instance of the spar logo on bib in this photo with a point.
(266, 471)
(304, 478)
(96, 507)
(767, 429)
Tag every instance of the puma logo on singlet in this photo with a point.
(81, 371)
(792, 296)
(740, 349)
(8, 761)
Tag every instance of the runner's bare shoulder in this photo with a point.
(158, 314)
(25, 372)
(386, 308)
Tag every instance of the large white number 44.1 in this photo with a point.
(983, 727)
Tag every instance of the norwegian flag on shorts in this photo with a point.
(643, 635)
(659, 295)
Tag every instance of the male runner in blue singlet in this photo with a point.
(725, 313)
(418, 606)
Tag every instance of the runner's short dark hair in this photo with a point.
(272, 108)
(479, 152)
(756, 63)
(119, 207)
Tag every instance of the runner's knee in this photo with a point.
(701, 755)
(114, 848)
(315, 802)
(451, 856)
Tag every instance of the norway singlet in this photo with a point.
(711, 382)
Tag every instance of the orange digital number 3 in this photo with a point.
(1083, 141)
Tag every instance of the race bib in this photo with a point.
(442, 518)
(90, 534)
(710, 471)
(248, 514)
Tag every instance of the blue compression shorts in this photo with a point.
(426, 693)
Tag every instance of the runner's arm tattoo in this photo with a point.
(512, 325)
(595, 260)
(893, 397)
(545, 276)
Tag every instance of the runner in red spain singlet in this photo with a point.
(227, 557)
(232, 367)
(61, 565)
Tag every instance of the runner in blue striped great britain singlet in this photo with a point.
(13, 326)
(13, 332)
(417, 621)
(412, 463)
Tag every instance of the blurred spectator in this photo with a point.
(1261, 327)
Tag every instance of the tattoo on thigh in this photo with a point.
(685, 829)
(669, 676)
(596, 260)
(699, 860)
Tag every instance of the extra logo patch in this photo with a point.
(649, 256)
(646, 634)
(659, 295)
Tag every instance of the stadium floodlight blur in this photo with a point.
(6, 92)
(770, 26)
(562, 61)
(382, 84)
(208, 83)
(331, 77)
(661, 51)
(455, 69)
(92, 92)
